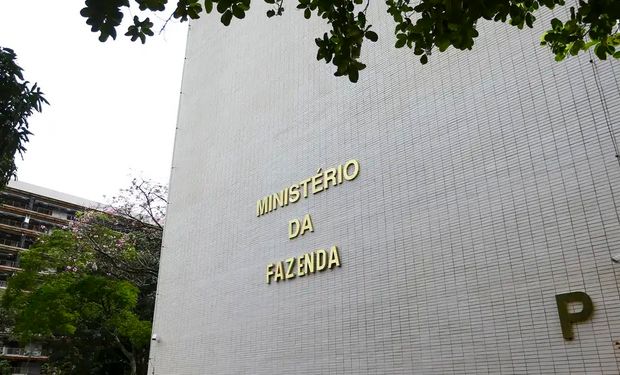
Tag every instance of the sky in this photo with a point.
(113, 106)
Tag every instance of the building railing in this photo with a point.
(45, 211)
(42, 214)
(8, 263)
(4, 241)
(21, 352)
(20, 224)
(13, 223)
(38, 228)
(14, 203)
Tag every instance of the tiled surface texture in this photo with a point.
(489, 183)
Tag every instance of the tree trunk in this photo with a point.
(132, 362)
(129, 355)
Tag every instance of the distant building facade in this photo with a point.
(26, 212)
(475, 235)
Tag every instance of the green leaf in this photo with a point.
(226, 17)
(354, 75)
(556, 24)
(208, 6)
(600, 51)
(238, 12)
(575, 47)
(371, 35)
(529, 20)
(221, 7)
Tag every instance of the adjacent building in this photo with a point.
(459, 217)
(26, 212)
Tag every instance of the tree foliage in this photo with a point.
(89, 289)
(5, 367)
(423, 26)
(54, 299)
(18, 101)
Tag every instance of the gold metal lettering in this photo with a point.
(279, 272)
(289, 269)
(300, 266)
(269, 272)
(356, 170)
(321, 260)
(262, 206)
(334, 257)
(296, 228)
(307, 224)
(317, 182)
(567, 319)
(278, 199)
(329, 175)
(293, 193)
(339, 174)
(309, 263)
(306, 264)
(293, 228)
(304, 183)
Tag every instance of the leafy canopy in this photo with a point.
(88, 290)
(57, 295)
(67, 296)
(422, 26)
(18, 101)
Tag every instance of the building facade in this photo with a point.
(26, 212)
(457, 217)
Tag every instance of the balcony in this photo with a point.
(19, 227)
(21, 354)
(14, 203)
(44, 211)
(39, 213)
(14, 223)
(10, 246)
(9, 265)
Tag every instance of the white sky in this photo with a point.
(113, 105)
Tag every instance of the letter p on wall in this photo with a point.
(568, 318)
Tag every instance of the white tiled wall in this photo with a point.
(489, 183)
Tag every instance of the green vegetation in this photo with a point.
(88, 291)
(18, 101)
(423, 26)
(5, 367)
